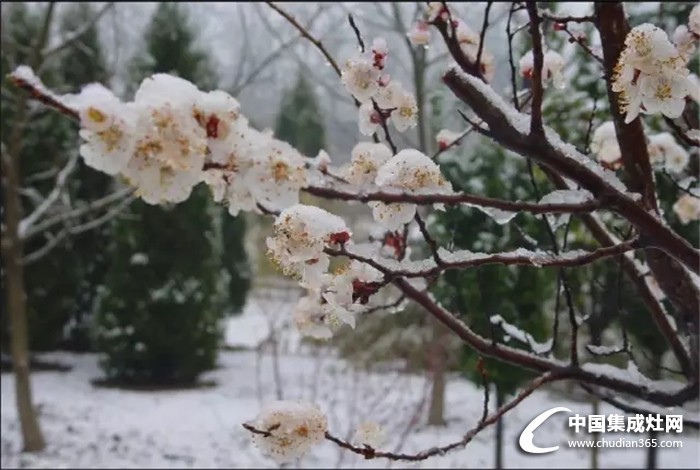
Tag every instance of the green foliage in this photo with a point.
(159, 315)
(517, 294)
(299, 121)
(170, 48)
(158, 318)
(235, 260)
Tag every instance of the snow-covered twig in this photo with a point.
(27, 223)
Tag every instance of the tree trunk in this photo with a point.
(437, 361)
(500, 427)
(14, 276)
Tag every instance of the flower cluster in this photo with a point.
(288, 429)
(469, 41)
(687, 207)
(650, 74)
(664, 151)
(174, 136)
(552, 67)
(381, 98)
(411, 172)
(369, 434)
(301, 233)
(336, 301)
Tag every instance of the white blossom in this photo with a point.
(366, 158)
(552, 67)
(684, 41)
(687, 208)
(277, 175)
(419, 34)
(388, 95)
(405, 115)
(308, 317)
(301, 233)
(694, 20)
(663, 149)
(664, 94)
(435, 10)
(370, 434)
(107, 128)
(605, 146)
(291, 427)
(650, 74)
(446, 137)
(410, 171)
(360, 78)
(368, 119)
(322, 160)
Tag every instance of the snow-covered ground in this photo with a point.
(87, 426)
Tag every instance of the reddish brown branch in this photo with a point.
(370, 453)
(307, 35)
(542, 365)
(43, 97)
(452, 199)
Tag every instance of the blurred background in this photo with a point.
(154, 332)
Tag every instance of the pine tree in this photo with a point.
(299, 121)
(159, 316)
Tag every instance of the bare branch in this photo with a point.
(26, 224)
(536, 129)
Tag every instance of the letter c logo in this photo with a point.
(525, 440)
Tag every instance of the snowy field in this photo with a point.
(88, 426)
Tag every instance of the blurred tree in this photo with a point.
(159, 317)
(299, 121)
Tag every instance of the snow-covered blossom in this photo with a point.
(379, 52)
(370, 434)
(368, 119)
(348, 285)
(107, 128)
(687, 208)
(291, 428)
(663, 149)
(360, 78)
(406, 112)
(446, 137)
(410, 171)
(650, 74)
(605, 146)
(277, 174)
(301, 233)
(218, 113)
(664, 94)
(694, 20)
(469, 43)
(466, 35)
(366, 158)
(419, 35)
(552, 67)
(170, 146)
(435, 10)
(322, 160)
(388, 95)
(684, 41)
(309, 318)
